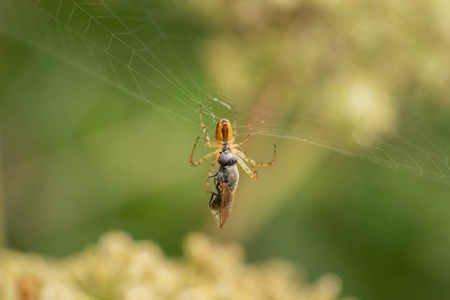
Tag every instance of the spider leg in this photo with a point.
(246, 169)
(244, 159)
(235, 128)
(192, 153)
(205, 137)
(235, 121)
(194, 164)
(209, 175)
(243, 141)
(253, 163)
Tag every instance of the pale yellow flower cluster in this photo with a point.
(119, 268)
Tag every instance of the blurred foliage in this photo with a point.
(358, 63)
(80, 156)
(118, 268)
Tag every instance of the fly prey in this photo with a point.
(226, 181)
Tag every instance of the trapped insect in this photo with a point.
(228, 156)
(226, 181)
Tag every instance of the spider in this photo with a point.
(225, 137)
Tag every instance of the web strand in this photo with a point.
(97, 39)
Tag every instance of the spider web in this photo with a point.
(124, 46)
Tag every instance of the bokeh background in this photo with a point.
(88, 145)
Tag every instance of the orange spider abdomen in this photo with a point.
(224, 132)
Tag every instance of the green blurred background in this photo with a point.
(88, 145)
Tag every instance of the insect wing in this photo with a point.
(221, 205)
(226, 204)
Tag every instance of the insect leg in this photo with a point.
(212, 196)
(214, 175)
